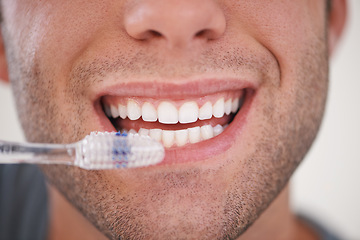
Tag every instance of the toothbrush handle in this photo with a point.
(36, 153)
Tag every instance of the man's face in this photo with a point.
(70, 61)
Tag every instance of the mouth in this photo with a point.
(190, 128)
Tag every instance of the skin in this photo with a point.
(58, 53)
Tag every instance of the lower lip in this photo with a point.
(205, 149)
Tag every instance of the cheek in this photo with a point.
(44, 41)
(53, 34)
(285, 28)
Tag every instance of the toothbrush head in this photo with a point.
(113, 150)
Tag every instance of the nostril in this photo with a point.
(155, 33)
(149, 34)
(206, 34)
(200, 34)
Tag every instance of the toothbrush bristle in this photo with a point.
(111, 150)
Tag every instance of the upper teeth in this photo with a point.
(167, 113)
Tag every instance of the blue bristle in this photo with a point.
(120, 151)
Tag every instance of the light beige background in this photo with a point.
(327, 185)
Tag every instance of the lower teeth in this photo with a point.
(178, 138)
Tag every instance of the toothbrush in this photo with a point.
(99, 150)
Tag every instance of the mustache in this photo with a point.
(141, 64)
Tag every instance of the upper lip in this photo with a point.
(176, 89)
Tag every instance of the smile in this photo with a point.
(175, 123)
(192, 120)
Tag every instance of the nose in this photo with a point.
(179, 22)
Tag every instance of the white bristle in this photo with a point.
(105, 150)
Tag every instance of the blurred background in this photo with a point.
(326, 186)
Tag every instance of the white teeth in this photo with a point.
(167, 113)
(181, 137)
(205, 111)
(168, 138)
(171, 138)
(235, 105)
(107, 111)
(149, 113)
(114, 112)
(218, 129)
(132, 131)
(156, 134)
(228, 105)
(189, 112)
(219, 108)
(144, 132)
(122, 111)
(133, 110)
(207, 132)
(194, 135)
